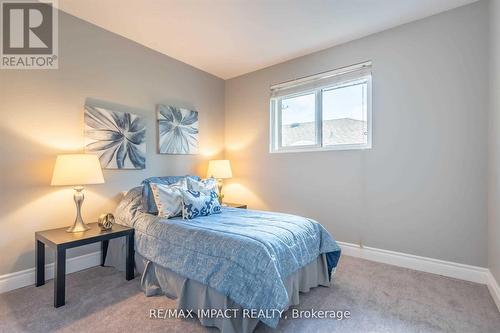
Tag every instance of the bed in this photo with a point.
(239, 260)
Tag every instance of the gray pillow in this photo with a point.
(148, 202)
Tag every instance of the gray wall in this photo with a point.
(42, 116)
(422, 189)
(494, 188)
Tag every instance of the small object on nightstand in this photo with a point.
(234, 205)
(105, 221)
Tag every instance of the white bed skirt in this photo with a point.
(193, 295)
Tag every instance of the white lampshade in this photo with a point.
(77, 169)
(220, 169)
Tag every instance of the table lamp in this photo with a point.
(219, 169)
(77, 170)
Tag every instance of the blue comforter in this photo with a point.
(244, 254)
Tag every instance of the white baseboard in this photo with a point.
(494, 289)
(446, 268)
(27, 277)
(424, 264)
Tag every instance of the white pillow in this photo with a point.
(204, 186)
(168, 198)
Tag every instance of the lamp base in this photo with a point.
(79, 225)
(219, 187)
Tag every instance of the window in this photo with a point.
(328, 111)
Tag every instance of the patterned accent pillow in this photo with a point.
(168, 198)
(205, 186)
(197, 203)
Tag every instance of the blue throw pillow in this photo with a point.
(199, 204)
(148, 201)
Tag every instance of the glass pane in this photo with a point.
(345, 115)
(298, 117)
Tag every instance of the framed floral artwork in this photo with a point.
(177, 130)
(118, 138)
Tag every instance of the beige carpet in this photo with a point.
(381, 298)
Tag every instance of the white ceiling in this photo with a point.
(228, 38)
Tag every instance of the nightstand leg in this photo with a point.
(60, 278)
(40, 263)
(129, 270)
(104, 251)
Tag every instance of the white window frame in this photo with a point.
(343, 77)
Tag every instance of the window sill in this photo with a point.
(320, 149)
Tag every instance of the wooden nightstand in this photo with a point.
(60, 241)
(234, 205)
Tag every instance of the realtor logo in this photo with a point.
(29, 35)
